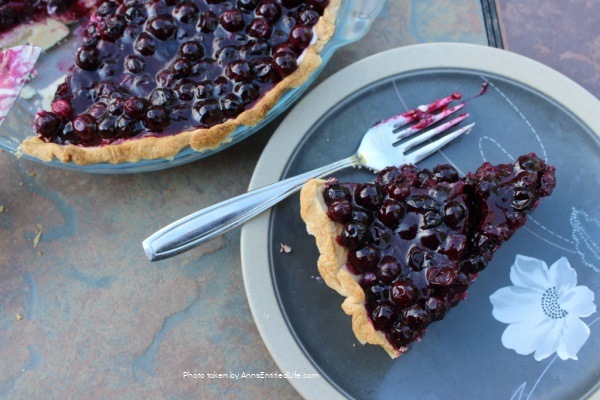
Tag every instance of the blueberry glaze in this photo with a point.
(160, 67)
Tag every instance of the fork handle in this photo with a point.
(213, 221)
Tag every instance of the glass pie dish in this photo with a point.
(353, 21)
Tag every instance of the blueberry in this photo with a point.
(135, 15)
(186, 12)
(145, 44)
(388, 269)
(383, 315)
(88, 58)
(231, 105)
(157, 118)
(416, 317)
(340, 210)
(248, 92)
(84, 127)
(239, 71)
(445, 173)
(63, 108)
(354, 235)
(454, 213)
(135, 107)
(191, 50)
(367, 195)
(207, 113)
(127, 126)
(284, 63)
(309, 17)
(403, 293)
(269, 9)
(46, 124)
(162, 26)
(523, 199)
(335, 191)
(185, 90)
(107, 8)
(364, 259)
(208, 22)
(204, 90)
(163, 97)
(181, 68)
(402, 335)
(391, 213)
(300, 37)
(441, 276)
(232, 20)
(112, 27)
(259, 28)
(135, 64)
(263, 70)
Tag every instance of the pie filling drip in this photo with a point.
(418, 238)
(160, 67)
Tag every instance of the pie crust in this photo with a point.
(153, 147)
(331, 265)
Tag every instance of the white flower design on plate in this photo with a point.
(543, 309)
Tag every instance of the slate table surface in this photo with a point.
(84, 314)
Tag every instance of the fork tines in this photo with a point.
(434, 146)
(423, 117)
(426, 120)
(420, 112)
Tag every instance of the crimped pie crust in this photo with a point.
(153, 147)
(331, 265)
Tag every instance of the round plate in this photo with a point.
(527, 108)
(353, 22)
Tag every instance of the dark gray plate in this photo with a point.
(527, 108)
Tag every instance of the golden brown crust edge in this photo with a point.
(331, 265)
(153, 147)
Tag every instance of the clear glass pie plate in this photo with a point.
(353, 21)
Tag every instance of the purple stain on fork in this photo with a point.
(16, 66)
(423, 113)
(394, 131)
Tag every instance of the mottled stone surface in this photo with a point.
(564, 35)
(405, 22)
(83, 314)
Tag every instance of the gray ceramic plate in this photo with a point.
(472, 352)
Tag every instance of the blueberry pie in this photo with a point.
(155, 76)
(404, 248)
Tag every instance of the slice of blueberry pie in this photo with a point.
(404, 248)
(154, 76)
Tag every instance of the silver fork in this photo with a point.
(381, 146)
